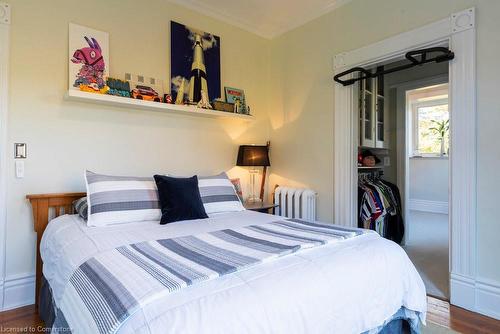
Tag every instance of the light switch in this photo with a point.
(19, 169)
(20, 151)
(387, 161)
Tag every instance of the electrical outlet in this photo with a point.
(387, 161)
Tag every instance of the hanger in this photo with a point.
(415, 58)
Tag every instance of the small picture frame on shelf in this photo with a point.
(236, 96)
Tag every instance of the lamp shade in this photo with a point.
(251, 155)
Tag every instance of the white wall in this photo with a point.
(64, 137)
(429, 178)
(301, 110)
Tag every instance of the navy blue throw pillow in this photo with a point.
(179, 198)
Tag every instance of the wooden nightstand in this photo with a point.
(263, 207)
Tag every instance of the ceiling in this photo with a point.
(266, 18)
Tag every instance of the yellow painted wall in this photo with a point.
(66, 137)
(301, 111)
(288, 82)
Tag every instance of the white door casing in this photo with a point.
(4, 94)
(459, 31)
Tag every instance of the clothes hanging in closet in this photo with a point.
(379, 204)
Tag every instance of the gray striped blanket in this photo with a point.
(108, 288)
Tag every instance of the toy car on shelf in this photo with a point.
(145, 93)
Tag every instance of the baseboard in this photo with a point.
(428, 206)
(477, 295)
(462, 292)
(18, 290)
(1, 293)
(488, 298)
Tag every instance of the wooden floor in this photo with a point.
(25, 319)
(21, 320)
(459, 319)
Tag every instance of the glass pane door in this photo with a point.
(380, 119)
(368, 117)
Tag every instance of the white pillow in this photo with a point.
(218, 194)
(121, 199)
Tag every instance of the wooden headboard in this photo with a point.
(46, 207)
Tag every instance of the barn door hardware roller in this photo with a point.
(415, 58)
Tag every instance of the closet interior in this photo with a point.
(379, 199)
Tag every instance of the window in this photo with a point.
(431, 127)
(429, 121)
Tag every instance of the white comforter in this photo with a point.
(347, 287)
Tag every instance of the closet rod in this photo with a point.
(415, 58)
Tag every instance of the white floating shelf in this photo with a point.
(125, 102)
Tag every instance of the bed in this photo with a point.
(365, 284)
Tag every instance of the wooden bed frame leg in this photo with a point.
(41, 217)
(41, 205)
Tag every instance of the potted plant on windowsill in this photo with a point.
(441, 129)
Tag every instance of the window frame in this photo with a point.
(414, 127)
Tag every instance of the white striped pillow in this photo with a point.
(81, 207)
(121, 199)
(218, 194)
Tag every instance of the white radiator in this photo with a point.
(295, 203)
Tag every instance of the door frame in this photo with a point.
(5, 20)
(402, 138)
(459, 31)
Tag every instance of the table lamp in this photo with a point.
(254, 156)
